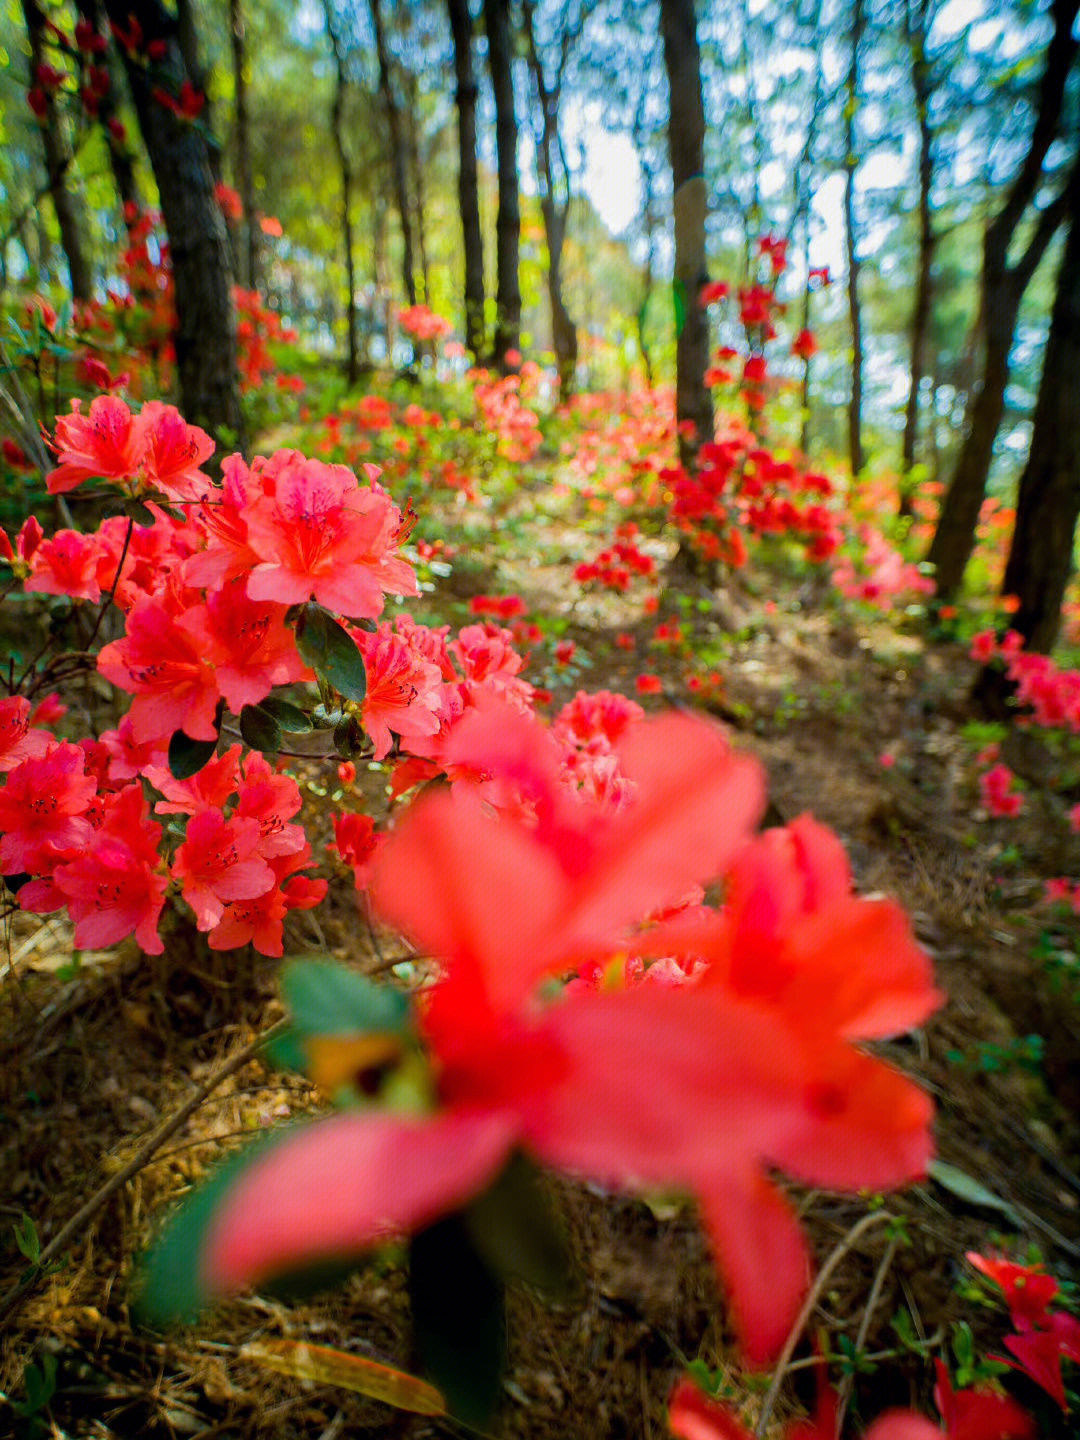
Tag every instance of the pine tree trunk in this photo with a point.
(554, 201)
(1048, 503)
(1002, 290)
(121, 160)
(851, 160)
(58, 159)
(508, 223)
(686, 143)
(398, 152)
(468, 186)
(337, 119)
(920, 315)
(250, 254)
(198, 244)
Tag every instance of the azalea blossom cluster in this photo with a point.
(205, 600)
(616, 566)
(592, 1009)
(1052, 693)
(741, 488)
(422, 323)
(1043, 1337)
(877, 572)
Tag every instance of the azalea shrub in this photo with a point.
(606, 969)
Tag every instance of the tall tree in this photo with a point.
(337, 129)
(399, 158)
(508, 222)
(1003, 286)
(554, 177)
(851, 160)
(686, 143)
(461, 28)
(1048, 503)
(58, 158)
(121, 158)
(198, 244)
(249, 268)
(916, 34)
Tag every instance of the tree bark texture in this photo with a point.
(554, 196)
(508, 222)
(58, 157)
(198, 244)
(851, 160)
(686, 143)
(398, 151)
(468, 185)
(1002, 290)
(250, 253)
(1041, 555)
(337, 129)
(920, 314)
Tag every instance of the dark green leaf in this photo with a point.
(515, 1230)
(458, 1312)
(348, 737)
(330, 650)
(260, 730)
(14, 883)
(678, 292)
(290, 717)
(187, 756)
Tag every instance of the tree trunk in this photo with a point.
(554, 198)
(920, 315)
(508, 223)
(121, 160)
(1048, 503)
(686, 142)
(468, 186)
(337, 117)
(198, 244)
(851, 160)
(58, 159)
(419, 193)
(1002, 290)
(398, 152)
(250, 254)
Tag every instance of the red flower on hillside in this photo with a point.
(173, 682)
(101, 445)
(218, 862)
(43, 810)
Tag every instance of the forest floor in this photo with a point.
(855, 718)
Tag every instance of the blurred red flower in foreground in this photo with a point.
(703, 1086)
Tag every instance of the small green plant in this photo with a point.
(1025, 1052)
(970, 1370)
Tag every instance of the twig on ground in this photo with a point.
(142, 1157)
(847, 1385)
(850, 1240)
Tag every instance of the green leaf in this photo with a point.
(167, 1283)
(290, 717)
(330, 650)
(344, 1028)
(187, 756)
(260, 730)
(678, 293)
(971, 1191)
(325, 998)
(459, 1320)
(514, 1228)
(26, 1238)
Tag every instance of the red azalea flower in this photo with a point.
(18, 741)
(103, 444)
(163, 666)
(701, 1087)
(219, 862)
(115, 890)
(43, 809)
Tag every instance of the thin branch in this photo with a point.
(850, 1240)
(82, 1217)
